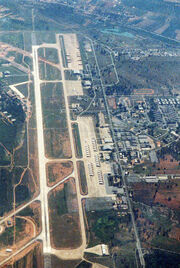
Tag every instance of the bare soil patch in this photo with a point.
(168, 165)
(30, 257)
(56, 172)
(169, 195)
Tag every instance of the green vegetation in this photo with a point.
(55, 122)
(22, 150)
(48, 72)
(59, 201)
(7, 237)
(82, 177)
(63, 52)
(142, 169)
(69, 75)
(103, 260)
(84, 264)
(7, 180)
(50, 54)
(166, 243)
(173, 150)
(57, 143)
(58, 171)
(53, 104)
(23, 89)
(162, 259)
(33, 259)
(33, 211)
(64, 216)
(45, 37)
(32, 119)
(105, 228)
(5, 158)
(58, 263)
(77, 140)
(13, 39)
(19, 58)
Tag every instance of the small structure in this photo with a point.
(105, 250)
(8, 250)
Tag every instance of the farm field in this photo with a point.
(56, 172)
(65, 228)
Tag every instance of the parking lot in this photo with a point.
(95, 169)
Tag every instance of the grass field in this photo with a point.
(63, 52)
(32, 120)
(25, 191)
(48, 72)
(9, 141)
(53, 106)
(27, 42)
(56, 172)
(33, 212)
(77, 141)
(22, 150)
(7, 180)
(6, 238)
(45, 37)
(19, 58)
(23, 89)
(49, 54)
(57, 143)
(16, 78)
(56, 134)
(69, 75)
(5, 157)
(64, 216)
(82, 177)
(13, 39)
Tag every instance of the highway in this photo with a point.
(138, 243)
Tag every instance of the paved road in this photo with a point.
(44, 189)
(83, 231)
(41, 155)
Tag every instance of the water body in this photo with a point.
(117, 31)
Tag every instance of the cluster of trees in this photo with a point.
(105, 228)
(162, 259)
(173, 150)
